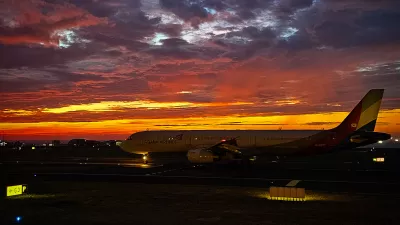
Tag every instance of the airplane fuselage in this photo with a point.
(183, 141)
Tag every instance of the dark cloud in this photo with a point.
(327, 34)
(22, 56)
(52, 77)
(178, 49)
(173, 30)
(118, 90)
(37, 26)
(196, 98)
(97, 8)
(355, 26)
(378, 27)
(246, 14)
(63, 76)
(133, 26)
(286, 8)
(254, 33)
(192, 12)
(249, 4)
(362, 4)
(215, 4)
(298, 4)
(21, 85)
(384, 75)
(303, 40)
(112, 40)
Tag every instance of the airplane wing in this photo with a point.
(226, 146)
(224, 151)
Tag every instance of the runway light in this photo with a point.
(396, 140)
(380, 142)
(287, 194)
(144, 157)
(33, 148)
(380, 159)
(18, 218)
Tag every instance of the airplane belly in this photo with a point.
(168, 147)
(264, 142)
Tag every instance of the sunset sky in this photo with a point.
(103, 69)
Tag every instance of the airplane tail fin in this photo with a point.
(364, 115)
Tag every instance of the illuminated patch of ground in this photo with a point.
(310, 196)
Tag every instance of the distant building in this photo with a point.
(56, 142)
(91, 143)
(77, 143)
(18, 144)
(110, 143)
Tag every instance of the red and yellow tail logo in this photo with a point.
(365, 114)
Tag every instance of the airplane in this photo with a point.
(213, 146)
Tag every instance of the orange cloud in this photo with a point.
(31, 26)
(45, 40)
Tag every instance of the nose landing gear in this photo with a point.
(145, 158)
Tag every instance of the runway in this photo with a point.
(340, 178)
(331, 186)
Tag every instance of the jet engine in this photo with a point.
(224, 152)
(200, 156)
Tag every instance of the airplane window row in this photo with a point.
(224, 138)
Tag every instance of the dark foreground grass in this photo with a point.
(60, 203)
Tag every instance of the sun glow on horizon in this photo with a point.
(124, 127)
